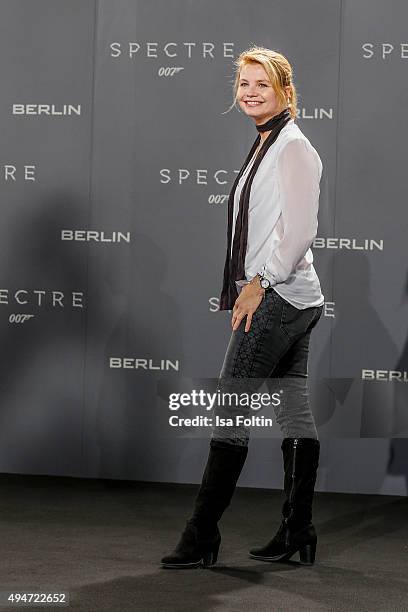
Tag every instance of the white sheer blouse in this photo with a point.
(282, 218)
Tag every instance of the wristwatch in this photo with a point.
(265, 283)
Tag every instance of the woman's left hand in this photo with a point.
(246, 303)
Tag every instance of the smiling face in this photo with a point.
(256, 95)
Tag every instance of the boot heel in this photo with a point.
(307, 554)
(210, 558)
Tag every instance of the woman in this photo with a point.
(272, 221)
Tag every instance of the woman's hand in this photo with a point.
(246, 303)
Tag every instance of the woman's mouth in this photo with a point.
(252, 103)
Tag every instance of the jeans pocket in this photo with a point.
(295, 322)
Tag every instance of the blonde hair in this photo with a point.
(279, 71)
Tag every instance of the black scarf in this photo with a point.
(234, 268)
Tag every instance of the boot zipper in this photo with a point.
(295, 441)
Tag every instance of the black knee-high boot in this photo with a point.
(200, 540)
(296, 532)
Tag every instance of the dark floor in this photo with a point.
(101, 541)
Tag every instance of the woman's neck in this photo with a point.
(264, 136)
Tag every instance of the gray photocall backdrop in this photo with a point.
(117, 161)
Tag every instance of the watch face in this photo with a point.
(265, 283)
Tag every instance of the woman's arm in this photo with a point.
(299, 171)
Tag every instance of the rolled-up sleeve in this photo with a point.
(299, 170)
